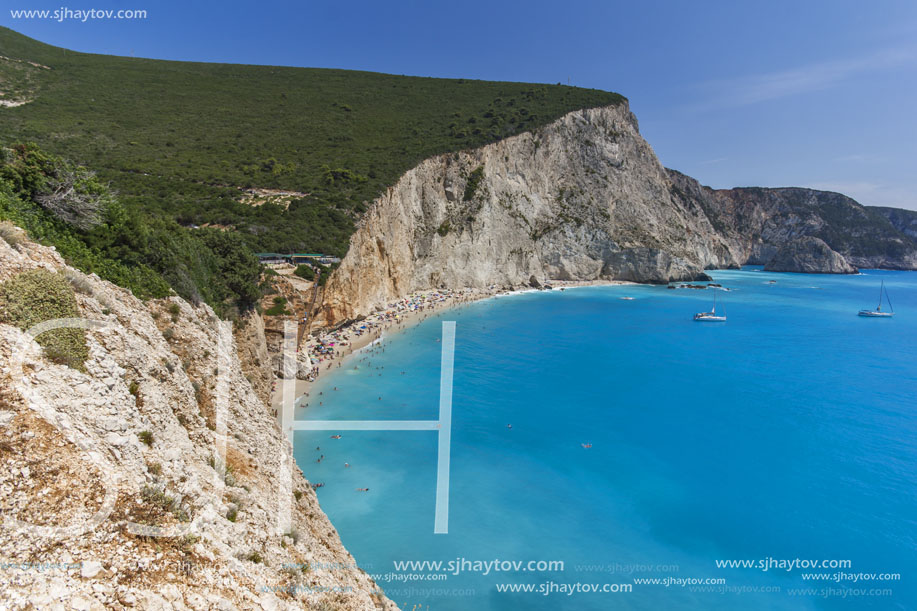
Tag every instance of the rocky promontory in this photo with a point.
(809, 255)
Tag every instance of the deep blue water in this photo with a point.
(788, 432)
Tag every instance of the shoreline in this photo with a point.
(333, 347)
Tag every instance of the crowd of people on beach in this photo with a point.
(332, 345)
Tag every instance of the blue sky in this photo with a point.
(773, 93)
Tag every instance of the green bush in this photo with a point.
(305, 271)
(158, 497)
(326, 273)
(443, 229)
(146, 437)
(474, 181)
(38, 295)
(279, 308)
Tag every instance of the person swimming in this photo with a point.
(335, 436)
(362, 489)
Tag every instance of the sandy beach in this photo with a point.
(329, 349)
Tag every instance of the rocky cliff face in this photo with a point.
(808, 255)
(904, 221)
(138, 439)
(254, 358)
(583, 198)
(758, 223)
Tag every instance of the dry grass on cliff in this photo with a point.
(46, 477)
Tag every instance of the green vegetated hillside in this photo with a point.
(67, 206)
(182, 138)
(182, 142)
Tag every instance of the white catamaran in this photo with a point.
(878, 313)
(711, 316)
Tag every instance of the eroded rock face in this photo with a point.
(809, 255)
(758, 223)
(904, 221)
(581, 199)
(251, 346)
(138, 439)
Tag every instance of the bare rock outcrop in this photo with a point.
(284, 305)
(251, 346)
(809, 255)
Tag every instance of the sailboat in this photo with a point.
(878, 313)
(711, 315)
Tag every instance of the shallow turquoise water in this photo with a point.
(788, 432)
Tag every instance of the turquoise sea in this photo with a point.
(786, 435)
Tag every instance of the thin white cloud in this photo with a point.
(872, 194)
(712, 161)
(807, 78)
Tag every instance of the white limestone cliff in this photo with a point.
(583, 198)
